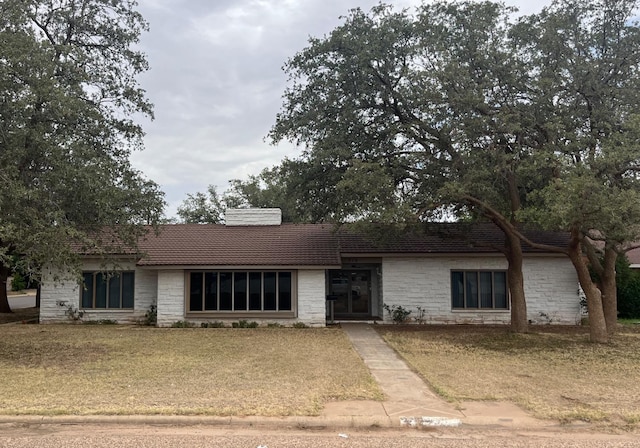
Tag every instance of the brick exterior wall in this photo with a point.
(312, 297)
(57, 296)
(171, 297)
(550, 287)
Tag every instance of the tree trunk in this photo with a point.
(515, 279)
(4, 301)
(597, 323)
(609, 292)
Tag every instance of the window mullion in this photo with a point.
(107, 288)
(95, 292)
(493, 291)
(464, 290)
(203, 288)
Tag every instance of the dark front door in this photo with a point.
(352, 290)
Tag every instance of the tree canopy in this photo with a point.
(68, 97)
(202, 208)
(462, 108)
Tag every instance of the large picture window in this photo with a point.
(479, 290)
(243, 292)
(107, 290)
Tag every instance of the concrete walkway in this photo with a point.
(409, 401)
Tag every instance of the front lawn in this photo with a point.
(105, 369)
(554, 371)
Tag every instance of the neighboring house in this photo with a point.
(634, 258)
(257, 268)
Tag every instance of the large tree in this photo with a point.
(68, 95)
(419, 114)
(589, 59)
(460, 107)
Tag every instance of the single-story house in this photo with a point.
(257, 268)
(634, 258)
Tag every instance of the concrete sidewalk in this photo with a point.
(409, 400)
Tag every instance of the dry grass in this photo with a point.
(78, 369)
(554, 372)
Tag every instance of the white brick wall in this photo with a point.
(56, 297)
(171, 298)
(312, 297)
(550, 287)
(253, 217)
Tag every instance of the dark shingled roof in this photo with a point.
(219, 245)
(441, 238)
(315, 244)
(634, 256)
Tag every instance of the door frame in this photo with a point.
(373, 289)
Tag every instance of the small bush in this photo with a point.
(215, 324)
(244, 324)
(300, 325)
(274, 325)
(420, 315)
(182, 324)
(73, 313)
(101, 322)
(398, 313)
(18, 282)
(151, 316)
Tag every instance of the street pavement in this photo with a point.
(81, 436)
(26, 300)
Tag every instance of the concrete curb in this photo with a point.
(294, 422)
(180, 420)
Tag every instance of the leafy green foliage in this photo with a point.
(214, 324)
(202, 208)
(244, 324)
(397, 313)
(628, 285)
(182, 324)
(18, 282)
(68, 95)
(150, 316)
(101, 322)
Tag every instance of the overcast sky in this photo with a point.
(216, 81)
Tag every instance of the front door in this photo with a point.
(352, 292)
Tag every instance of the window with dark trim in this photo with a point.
(107, 290)
(486, 290)
(240, 291)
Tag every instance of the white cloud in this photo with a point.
(216, 82)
